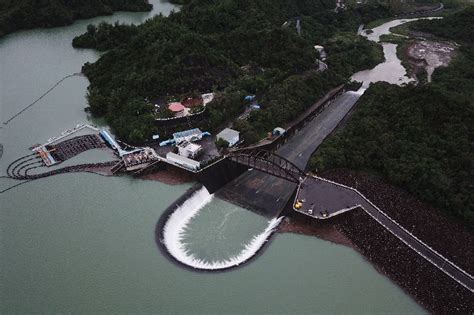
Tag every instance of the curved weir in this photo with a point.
(174, 231)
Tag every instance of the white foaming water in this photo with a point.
(175, 227)
(359, 92)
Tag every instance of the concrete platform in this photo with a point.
(268, 195)
(322, 200)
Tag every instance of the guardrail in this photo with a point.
(433, 251)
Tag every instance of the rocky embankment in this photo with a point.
(326, 230)
(433, 289)
(445, 235)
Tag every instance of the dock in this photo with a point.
(69, 144)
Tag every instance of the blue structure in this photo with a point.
(249, 98)
(167, 142)
(111, 141)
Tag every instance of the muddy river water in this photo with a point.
(391, 70)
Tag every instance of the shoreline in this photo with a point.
(324, 230)
(169, 176)
(429, 287)
(423, 220)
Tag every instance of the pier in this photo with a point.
(69, 144)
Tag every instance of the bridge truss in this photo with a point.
(268, 162)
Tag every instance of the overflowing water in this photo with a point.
(175, 229)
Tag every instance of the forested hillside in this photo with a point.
(232, 47)
(26, 14)
(457, 26)
(420, 138)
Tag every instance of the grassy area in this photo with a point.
(394, 39)
(402, 29)
(378, 22)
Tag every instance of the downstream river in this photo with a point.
(85, 243)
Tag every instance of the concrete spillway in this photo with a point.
(174, 232)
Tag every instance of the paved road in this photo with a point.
(338, 198)
(269, 195)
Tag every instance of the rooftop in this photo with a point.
(187, 133)
(176, 107)
(190, 146)
(228, 133)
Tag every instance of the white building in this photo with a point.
(182, 161)
(189, 150)
(190, 135)
(229, 135)
(207, 98)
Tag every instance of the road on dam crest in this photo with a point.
(267, 194)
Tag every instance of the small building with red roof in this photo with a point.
(176, 107)
(192, 102)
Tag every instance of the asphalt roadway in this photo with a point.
(322, 199)
(267, 194)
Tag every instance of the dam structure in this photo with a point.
(268, 178)
(273, 180)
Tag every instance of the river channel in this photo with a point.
(85, 243)
(391, 70)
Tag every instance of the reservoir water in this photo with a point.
(85, 243)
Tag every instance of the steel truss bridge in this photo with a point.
(314, 187)
(268, 162)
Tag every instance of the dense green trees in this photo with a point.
(457, 26)
(233, 47)
(418, 137)
(287, 99)
(349, 53)
(105, 36)
(25, 14)
(225, 105)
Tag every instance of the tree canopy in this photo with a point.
(232, 47)
(26, 14)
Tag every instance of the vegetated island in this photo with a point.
(234, 48)
(26, 14)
